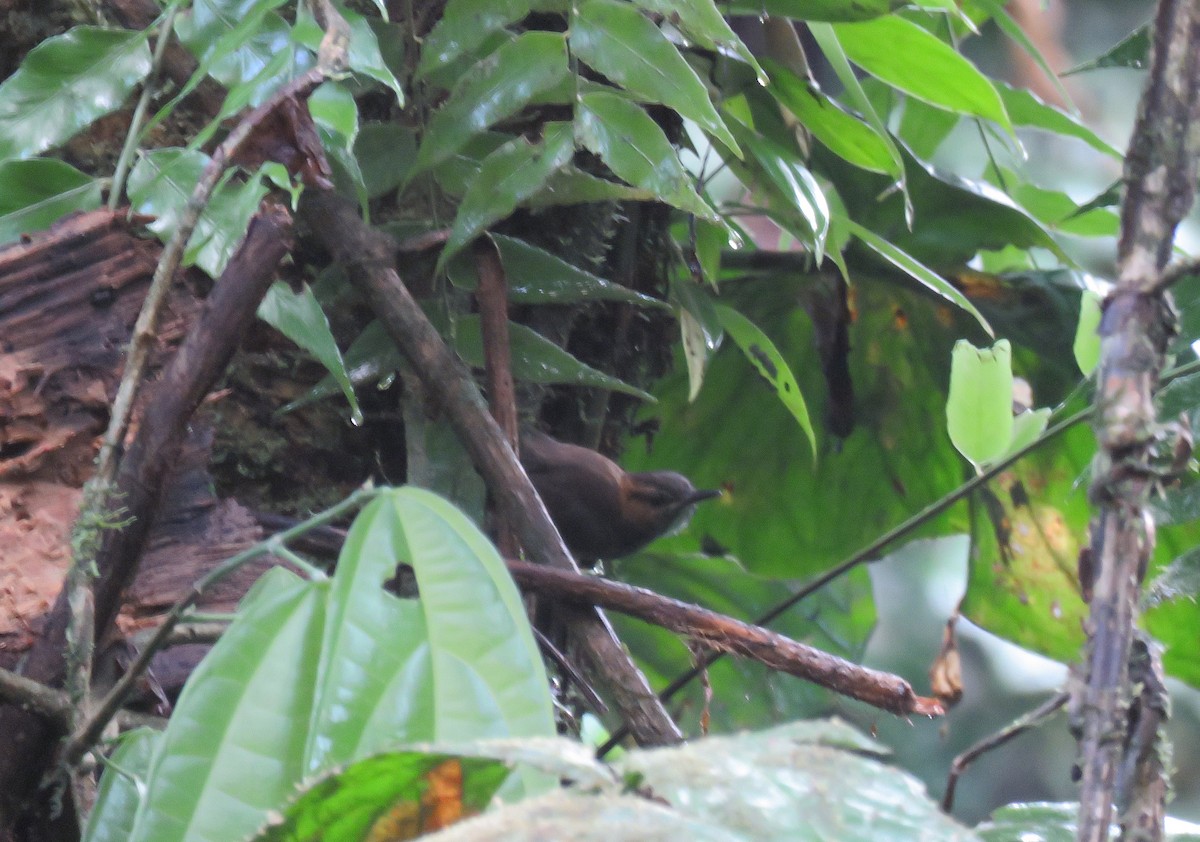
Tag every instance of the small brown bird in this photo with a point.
(602, 511)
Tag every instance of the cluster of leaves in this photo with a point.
(850, 179)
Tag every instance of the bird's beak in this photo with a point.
(703, 494)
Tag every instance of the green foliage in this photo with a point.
(318, 673)
(979, 407)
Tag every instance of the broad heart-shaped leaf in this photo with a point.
(539, 277)
(160, 185)
(838, 619)
(620, 42)
(234, 39)
(846, 136)
(464, 26)
(798, 769)
(36, 192)
(914, 268)
(535, 359)
(119, 795)
(913, 60)
(299, 317)
(407, 793)
(495, 88)
(67, 82)
(635, 148)
(234, 748)
(979, 406)
(770, 364)
(508, 176)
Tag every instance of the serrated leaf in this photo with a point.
(66, 83)
(535, 359)
(979, 405)
(538, 277)
(635, 148)
(36, 192)
(618, 41)
(768, 362)
(902, 54)
(495, 88)
(1087, 337)
(846, 136)
(508, 176)
(299, 317)
(463, 26)
(915, 269)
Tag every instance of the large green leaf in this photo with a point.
(67, 82)
(620, 42)
(234, 749)
(235, 39)
(535, 359)
(913, 60)
(636, 149)
(815, 10)
(497, 87)
(704, 22)
(508, 176)
(36, 192)
(979, 406)
(363, 56)
(1025, 109)
(299, 317)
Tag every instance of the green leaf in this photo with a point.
(65, 84)
(768, 362)
(464, 26)
(814, 10)
(1087, 336)
(299, 317)
(636, 149)
(538, 277)
(1027, 427)
(618, 41)
(1132, 51)
(35, 193)
(910, 58)
(703, 21)
(915, 269)
(535, 359)
(798, 200)
(121, 787)
(495, 88)
(979, 406)
(846, 136)
(1026, 109)
(508, 176)
(363, 55)
(1013, 30)
(572, 186)
(161, 184)
(235, 744)
(385, 153)
(234, 40)
(349, 804)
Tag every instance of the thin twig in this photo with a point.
(1032, 719)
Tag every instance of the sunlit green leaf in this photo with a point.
(67, 82)
(121, 787)
(620, 42)
(1087, 336)
(979, 406)
(235, 39)
(910, 58)
(1026, 109)
(35, 193)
